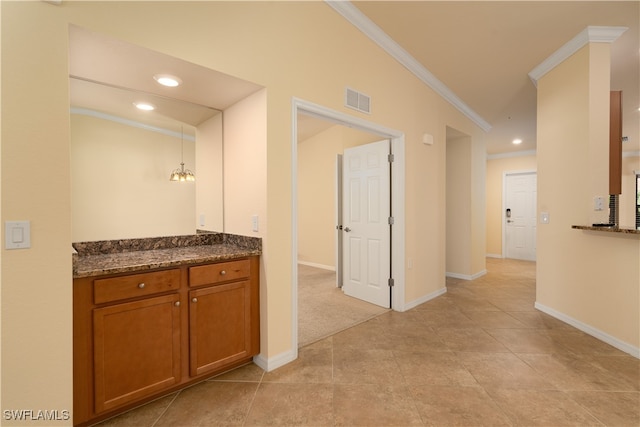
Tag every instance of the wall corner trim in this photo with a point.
(591, 34)
(269, 364)
(375, 33)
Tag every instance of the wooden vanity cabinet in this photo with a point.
(136, 349)
(139, 336)
(220, 321)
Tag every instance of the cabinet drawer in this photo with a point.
(220, 272)
(135, 285)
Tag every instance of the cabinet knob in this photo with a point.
(177, 303)
(141, 285)
(194, 299)
(222, 273)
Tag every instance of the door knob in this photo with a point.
(347, 229)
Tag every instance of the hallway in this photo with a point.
(478, 355)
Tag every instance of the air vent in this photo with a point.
(357, 101)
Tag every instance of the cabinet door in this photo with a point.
(219, 326)
(136, 350)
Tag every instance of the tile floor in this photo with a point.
(478, 355)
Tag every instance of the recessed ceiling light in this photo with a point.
(144, 106)
(167, 80)
(517, 141)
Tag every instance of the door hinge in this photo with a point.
(391, 158)
(391, 282)
(391, 220)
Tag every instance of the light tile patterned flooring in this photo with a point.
(478, 355)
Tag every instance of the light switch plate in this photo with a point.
(17, 234)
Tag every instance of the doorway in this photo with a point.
(305, 109)
(519, 215)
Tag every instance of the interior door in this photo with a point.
(366, 229)
(520, 216)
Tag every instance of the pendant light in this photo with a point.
(181, 174)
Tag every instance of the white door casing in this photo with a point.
(366, 228)
(300, 106)
(338, 214)
(520, 215)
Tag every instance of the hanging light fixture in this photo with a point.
(181, 174)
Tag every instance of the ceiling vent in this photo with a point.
(357, 101)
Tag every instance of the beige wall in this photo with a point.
(120, 182)
(458, 206)
(589, 278)
(316, 192)
(465, 207)
(209, 179)
(279, 45)
(496, 169)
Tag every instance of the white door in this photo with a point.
(366, 212)
(520, 215)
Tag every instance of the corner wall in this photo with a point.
(591, 279)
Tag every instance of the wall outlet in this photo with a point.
(254, 223)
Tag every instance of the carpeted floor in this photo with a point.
(323, 309)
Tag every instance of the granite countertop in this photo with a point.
(606, 229)
(132, 255)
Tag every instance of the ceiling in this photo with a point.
(482, 51)
(107, 76)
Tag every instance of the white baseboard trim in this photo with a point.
(466, 276)
(422, 300)
(313, 264)
(596, 333)
(270, 364)
(494, 256)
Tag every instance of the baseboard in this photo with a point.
(422, 300)
(494, 256)
(270, 364)
(466, 276)
(313, 264)
(596, 333)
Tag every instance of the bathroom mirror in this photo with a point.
(122, 157)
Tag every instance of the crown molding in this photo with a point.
(375, 33)
(128, 122)
(591, 34)
(511, 154)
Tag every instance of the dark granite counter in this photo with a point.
(606, 229)
(131, 255)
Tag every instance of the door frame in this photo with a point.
(504, 203)
(397, 199)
